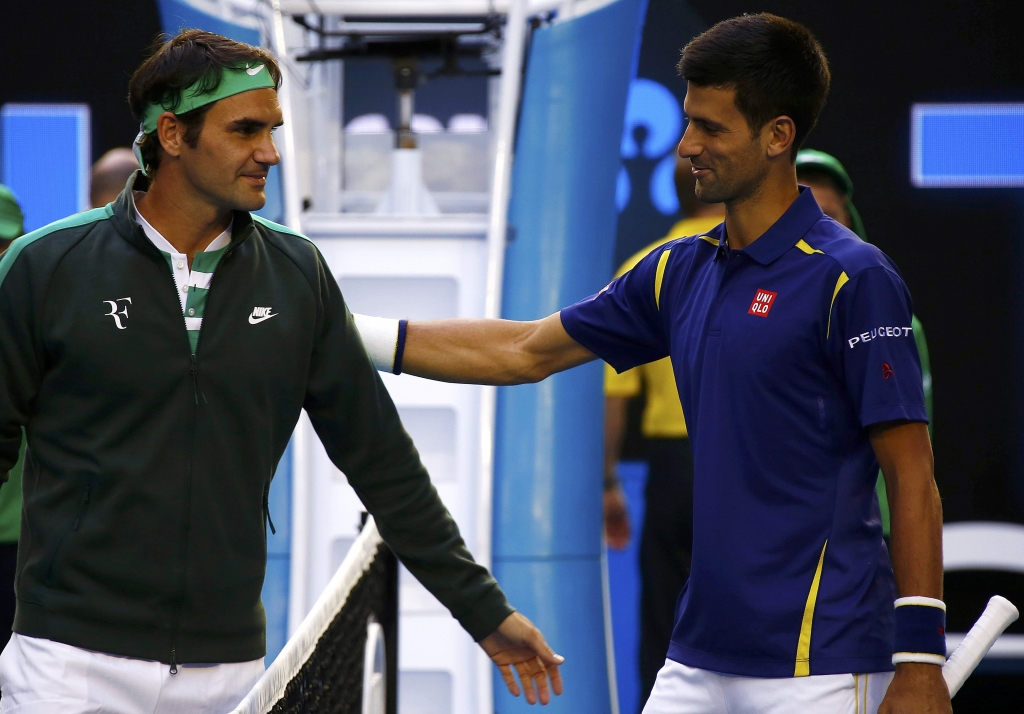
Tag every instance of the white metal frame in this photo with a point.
(441, 8)
(345, 240)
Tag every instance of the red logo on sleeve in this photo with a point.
(886, 370)
(763, 301)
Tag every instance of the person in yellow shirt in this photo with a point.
(667, 534)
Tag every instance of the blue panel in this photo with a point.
(970, 145)
(548, 451)
(275, 585)
(624, 589)
(176, 15)
(45, 151)
(275, 603)
(573, 627)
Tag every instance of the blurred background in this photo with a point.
(959, 247)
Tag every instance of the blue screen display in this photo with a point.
(44, 159)
(967, 145)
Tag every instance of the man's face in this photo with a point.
(831, 202)
(729, 162)
(235, 150)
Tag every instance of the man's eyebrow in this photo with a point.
(706, 123)
(250, 123)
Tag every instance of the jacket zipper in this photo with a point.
(82, 505)
(197, 392)
(194, 371)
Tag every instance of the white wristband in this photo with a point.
(920, 600)
(918, 657)
(380, 338)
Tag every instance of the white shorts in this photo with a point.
(686, 690)
(44, 677)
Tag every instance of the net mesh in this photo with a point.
(321, 667)
(331, 680)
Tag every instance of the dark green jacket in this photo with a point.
(147, 471)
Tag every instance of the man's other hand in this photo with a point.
(616, 518)
(518, 644)
(916, 689)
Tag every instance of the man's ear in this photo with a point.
(779, 135)
(171, 132)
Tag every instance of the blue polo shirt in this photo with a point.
(784, 353)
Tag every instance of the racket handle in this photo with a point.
(998, 615)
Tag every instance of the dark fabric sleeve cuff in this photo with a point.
(483, 617)
(894, 412)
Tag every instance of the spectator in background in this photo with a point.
(110, 174)
(667, 535)
(12, 225)
(12, 221)
(833, 190)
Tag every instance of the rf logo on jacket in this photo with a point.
(116, 313)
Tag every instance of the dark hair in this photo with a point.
(178, 63)
(775, 65)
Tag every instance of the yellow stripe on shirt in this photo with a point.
(659, 276)
(802, 245)
(843, 280)
(803, 645)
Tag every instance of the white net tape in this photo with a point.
(271, 686)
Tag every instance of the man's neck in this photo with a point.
(747, 219)
(188, 223)
(699, 209)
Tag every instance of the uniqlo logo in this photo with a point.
(763, 301)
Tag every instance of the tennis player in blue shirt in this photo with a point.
(795, 360)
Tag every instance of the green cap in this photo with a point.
(812, 158)
(232, 81)
(12, 220)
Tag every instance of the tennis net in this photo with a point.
(343, 657)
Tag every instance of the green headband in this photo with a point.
(232, 81)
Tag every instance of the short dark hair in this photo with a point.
(776, 66)
(178, 63)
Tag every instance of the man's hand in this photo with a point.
(917, 689)
(517, 643)
(616, 517)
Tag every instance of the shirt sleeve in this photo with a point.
(871, 339)
(353, 415)
(622, 324)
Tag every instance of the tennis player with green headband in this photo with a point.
(233, 80)
(142, 552)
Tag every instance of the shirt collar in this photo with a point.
(785, 232)
(165, 246)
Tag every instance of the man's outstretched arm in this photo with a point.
(499, 352)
